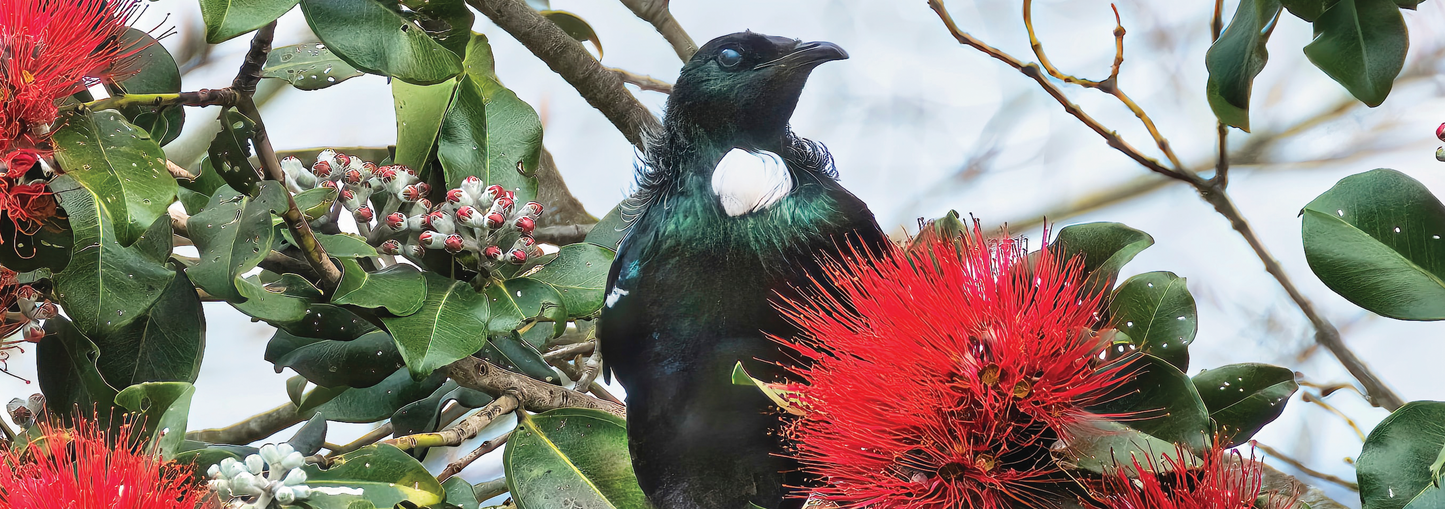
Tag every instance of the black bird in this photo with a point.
(732, 212)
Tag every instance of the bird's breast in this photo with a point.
(750, 181)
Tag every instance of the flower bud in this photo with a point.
(363, 214)
(283, 450)
(404, 169)
(321, 169)
(27, 296)
(495, 220)
(454, 244)
(525, 225)
(214, 472)
(492, 193)
(303, 181)
(424, 187)
(284, 496)
(1440, 132)
(230, 467)
(342, 160)
(493, 253)
(468, 215)
(302, 492)
(385, 173)
(422, 206)
(532, 209)
(32, 332)
(414, 250)
(45, 311)
(353, 177)
(345, 194)
(22, 415)
(254, 464)
(291, 166)
(396, 221)
(432, 240)
(293, 461)
(1440, 154)
(517, 257)
(327, 155)
(328, 184)
(390, 247)
(458, 197)
(503, 205)
(246, 484)
(222, 488)
(441, 222)
(270, 454)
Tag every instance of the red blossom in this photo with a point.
(80, 469)
(1220, 480)
(939, 377)
(54, 48)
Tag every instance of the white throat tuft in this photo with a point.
(746, 181)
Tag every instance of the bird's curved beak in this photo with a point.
(806, 55)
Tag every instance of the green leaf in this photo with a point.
(164, 409)
(1394, 466)
(1237, 57)
(491, 134)
(1308, 10)
(156, 74)
(362, 362)
(230, 152)
(66, 372)
(517, 300)
(380, 401)
(579, 273)
(330, 321)
(48, 248)
(400, 288)
(419, 112)
(1375, 239)
(195, 193)
(514, 354)
(314, 203)
(1103, 446)
(459, 493)
(284, 301)
(1157, 312)
(610, 230)
(447, 328)
(741, 377)
(202, 458)
(575, 26)
(309, 66)
(1361, 44)
(479, 61)
(344, 245)
(1157, 399)
(1242, 398)
(226, 19)
(1104, 247)
(377, 37)
(379, 474)
(424, 416)
(1409, 4)
(164, 345)
(119, 163)
(571, 455)
(107, 286)
(233, 234)
(449, 22)
(311, 437)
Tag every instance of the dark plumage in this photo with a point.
(690, 293)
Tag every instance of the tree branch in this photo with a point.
(1272, 452)
(489, 489)
(642, 81)
(562, 235)
(566, 57)
(468, 428)
(655, 12)
(256, 427)
(534, 395)
(487, 447)
(202, 97)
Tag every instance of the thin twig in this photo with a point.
(1311, 398)
(489, 489)
(589, 370)
(656, 13)
(179, 173)
(487, 447)
(1274, 453)
(642, 81)
(468, 428)
(567, 351)
(202, 97)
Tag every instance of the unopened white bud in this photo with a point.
(255, 465)
(270, 454)
(292, 461)
(284, 495)
(296, 476)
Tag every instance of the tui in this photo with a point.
(732, 212)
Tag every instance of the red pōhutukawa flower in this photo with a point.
(1219, 480)
(54, 48)
(88, 468)
(939, 377)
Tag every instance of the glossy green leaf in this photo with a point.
(361, 362)
(381, 475)
(1394, 468)
(424, 416)
(1376, 239)
(447, 328)
(576, 27)
(1409, 4)
(377, 37)
(314, 203)
(419, 112)
(233, 234)
(380, 401)
(460, 494)
(579, 273)
(164, 345)
(311, 437)
(1242, 398)
(1159, 400)
(164, 408)
(1361, 44)
(226, 19)
(155, 73)
(66, 372)
(610, 230)
(119, 163)
(1103, 446)
(323, 320)
(449, 22)
(571, 455)
(512, 353)
(479, 61)
(194, 194)
(308, 66)
(517, 300)
(1237, 57)
(284, 301)
(107, 286)
(1104, 248)
(230, 152)
(400, 288)
(1308, 10)
(491, 134)
(1157, 312)
(48, 248)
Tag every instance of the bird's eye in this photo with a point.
(729, 57)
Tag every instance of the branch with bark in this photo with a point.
(534, 395)
(656, 13)
(468, 428)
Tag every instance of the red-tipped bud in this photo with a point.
(503, 205)
(517, 257)
(495, 220)
(343, 160)
(532, 208)
(46, 311)
(345, 194)
(525, 225)
(492, 193)
(423, 204)
(27, 295)
(454, 243)
(432, 240)
(414, 250)
(390, 247)
(424, 187)
(404, 169)
(385, 173)
(396, 221)
(329, 184)
(352, 177)
(470, 216)
(510, 196)
(473, 186)
(1440, 132)
(412, 193)
(456, 196)
(321, 169)
(441, 222)
(493, 253)
(363, 214)
(32, 332)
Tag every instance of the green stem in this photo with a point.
(203, 97)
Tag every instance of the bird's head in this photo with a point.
(741, 89)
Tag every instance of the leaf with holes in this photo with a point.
(1237, 57)
(491, 134)
(361, 362)
(1104, 249)
(447, 328)
(1361, 44)
(579, 273)
(119, 163)
(1376, 239)
(1398, 467)
(376, 36)
(309, 66)
(164, 345)
(571, 454)
(230, 152)
(164, 408)
(233, 234)
(157, 74)
(380, 475)
(1157, 312)
(1242, 398)
(517, 300)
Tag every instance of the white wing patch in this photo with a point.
(616, 295)
(750, 181)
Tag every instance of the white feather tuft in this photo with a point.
(750, 181)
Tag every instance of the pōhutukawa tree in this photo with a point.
(439, 284)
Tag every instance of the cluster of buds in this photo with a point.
(353, 179)
(1440, 152)
(25, 324)
(274, 474)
